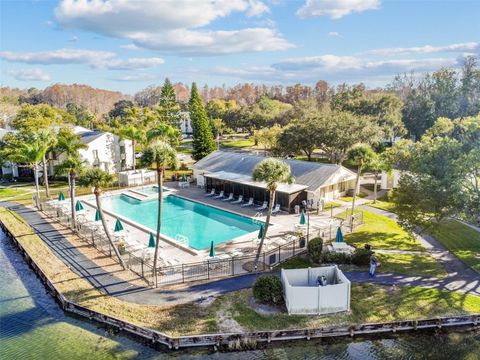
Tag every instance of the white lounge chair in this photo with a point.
(219, 196)
(211, 193)
(229, 198)
(263, 207)
(276, 210)
(249, 203)
(239, 200)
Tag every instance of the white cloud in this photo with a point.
(172, 25)
(200, 43)
(29, 75)
(130, 47)
(60, 56)
(336, 9)
(427, 49)
(136, 77)
(129, 64)
(333, 33)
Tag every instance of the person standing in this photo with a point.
(373, 264)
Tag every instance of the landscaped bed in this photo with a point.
(370, 303)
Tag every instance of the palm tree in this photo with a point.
(98, 179)
(49, 139)
(136, 135)
(165, 133)
(27, 150)
(272, 171)
(69, 144)
(162, 155)
(361, 155)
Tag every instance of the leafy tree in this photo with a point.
(162, 155)
(379, 163)
(69, 144)
(49, 138)
(83, 117)
(218, 127)
(137, 135)
(268, 137)
(203, 141)
(120, 110)
(300, 136)
(98, 179)
(168, 109)
(33, 117)
(361, 155)
(271, 171)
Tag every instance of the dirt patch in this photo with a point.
(266, 309)
(226, 323)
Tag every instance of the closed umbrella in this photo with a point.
(260, 232)
(98, 217)
(78, 206)
(212, 250)
(118, 226)
(339, 237)
(151, 242)
(184, 178)
(302, 218)
(61, 196)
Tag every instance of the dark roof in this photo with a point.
(311, 174)
(88, 137)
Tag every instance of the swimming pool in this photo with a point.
(200, 223)
(151, 190)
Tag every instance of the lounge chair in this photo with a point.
(249, 203)
(276, 210)
(219, 196)
(211, 193)
(229, 198)
(263, 207)
(239, 200)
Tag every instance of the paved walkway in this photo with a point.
(460, 278)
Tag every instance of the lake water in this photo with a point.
(33, 327)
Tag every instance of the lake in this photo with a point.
(33, 327)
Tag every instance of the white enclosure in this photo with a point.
(137, 177)
(304, 295)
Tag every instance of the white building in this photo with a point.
(185, 123)
(105, 150)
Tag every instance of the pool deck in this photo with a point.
(283, 224)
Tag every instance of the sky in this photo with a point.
(127, 45)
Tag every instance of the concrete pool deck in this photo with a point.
(175, 253)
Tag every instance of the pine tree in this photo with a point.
(203, 141)
(168, 110)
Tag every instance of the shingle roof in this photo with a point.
(88, 137)
(311, 174)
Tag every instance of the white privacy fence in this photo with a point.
(304, 295)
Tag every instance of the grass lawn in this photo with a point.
(331, 205)
(13, 191)
(383, 205)
(382, 233)
(411, 264)
(370, 303)
(461, 240)
(350, 198)
(237, 143)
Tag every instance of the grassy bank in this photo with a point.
(461, 240)
(383, 205)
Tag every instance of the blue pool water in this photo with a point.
(151, 190)
(201, 224)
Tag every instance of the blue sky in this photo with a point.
(128, 45)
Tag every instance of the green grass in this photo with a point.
(350, 198)
(331, 205)
(411, 264)
(13, 191)
(382, 233)
(383, 205)
(296, 263)
(461, 240)
(237, 143)
(370, 303)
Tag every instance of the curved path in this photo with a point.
(461, 280)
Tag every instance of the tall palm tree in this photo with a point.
(28, 150)
(165, 133)
(134, 133)
(163, 156)
(361, 155)
(69, 144)
(99, 179)
(49, 139)
(272, 171)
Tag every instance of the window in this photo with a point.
(122, 149)
(95, 154)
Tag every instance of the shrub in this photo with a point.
(361, 257)
(315, 247)
(336, 258)
(268, 289)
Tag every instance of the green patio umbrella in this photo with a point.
(302, 218)
(118, 226)
(98, 217)
(151, 242)
(61, 196)
(78, 206)
(184, 178)
(212, 250)
(260, 232)
(339, 237)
